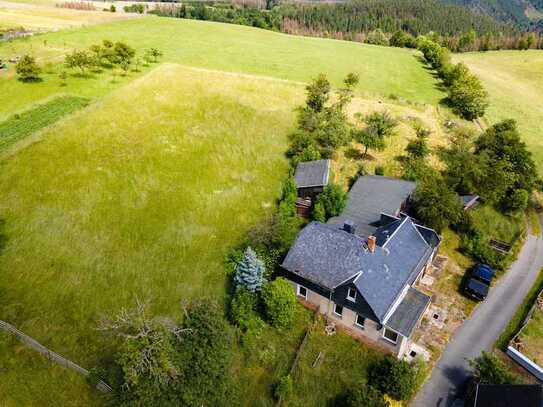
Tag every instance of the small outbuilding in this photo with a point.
(311, 178)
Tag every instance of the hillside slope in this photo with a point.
(521, 12)
(383, 70)
(514, 80)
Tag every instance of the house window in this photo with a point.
(360, 321)
(338, 310)
(390, 335)
(351, 294)
(301, 291)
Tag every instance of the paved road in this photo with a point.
(484, 327)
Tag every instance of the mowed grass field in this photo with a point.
(226, 47)
(139, 195)
(514, 80)
(42, 17)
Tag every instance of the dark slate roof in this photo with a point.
(370, 196)
(394, 264)
(408, 313)
(509, 395)
(325, 255)
(329, 256)
(312, 173)
(391, 223)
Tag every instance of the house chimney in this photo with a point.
(371, 243)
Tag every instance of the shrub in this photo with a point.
(364, 396)
(319, 213)
(284, 388)
(518, 201)
(476, 245)
(243, 310)
(379, 170)
(488, 369)
(279, 303)
(397, 378)
(112, 8)
(332, 200)
(27, 69)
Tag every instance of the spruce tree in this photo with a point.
(250, 272)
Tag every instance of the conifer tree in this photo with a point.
(250, 272)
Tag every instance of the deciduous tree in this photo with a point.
(27, 69)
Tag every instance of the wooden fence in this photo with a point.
(55, 357)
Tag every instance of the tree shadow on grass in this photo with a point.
(82, 75)
(30, 80)
(353, 153)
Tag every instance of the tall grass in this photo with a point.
(142, 195)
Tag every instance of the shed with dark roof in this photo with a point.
(311, 177)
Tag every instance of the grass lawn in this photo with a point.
(344, 363)
(531, 337)
(140, 194)
(514, 80)
(520, 315)
(225, 47)
(28, 379)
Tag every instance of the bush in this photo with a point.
(332, 200)
(397, 378)
(319, 213)
(279, 303)
(284, 388)
(27, 69)
(243, 310)
(475, 244)
(364, 396)
(379, 170)
(488, 369)
(518, 201)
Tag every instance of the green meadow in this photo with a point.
(139, 195)
(225, 47)
(514, 80)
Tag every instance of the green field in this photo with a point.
(41, 16)
(140, 194)
(144, 191)
(224, 47)
(514, 80)
(21, 126)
